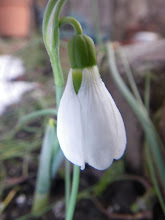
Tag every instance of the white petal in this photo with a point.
(120, 142)
(89, 127)
(103, 128)
(69, 125)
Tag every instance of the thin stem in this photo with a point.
(67, 184)
(147, 92)
(75, 185)
(148, 150)
(59, 92)
(153, 176)
(72, 21)
(130, 76)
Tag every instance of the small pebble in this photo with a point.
(21, 200)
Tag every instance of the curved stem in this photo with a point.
(142, 115)
(48, 12)
(72, 21)
(56, 64)
(140, 112)
(130, 75)
(52, 42)
(75, 185)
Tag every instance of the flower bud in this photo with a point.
(81, 51)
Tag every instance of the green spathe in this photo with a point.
(81, 51)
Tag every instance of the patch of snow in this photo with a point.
(11, 92)
(10, 67)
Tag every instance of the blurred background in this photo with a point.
(26, 85)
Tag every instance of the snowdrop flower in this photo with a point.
(90, 128)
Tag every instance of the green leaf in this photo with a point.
(36, 114)
(50, 150)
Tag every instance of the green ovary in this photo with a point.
(77, 79)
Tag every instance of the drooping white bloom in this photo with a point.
(90, 128)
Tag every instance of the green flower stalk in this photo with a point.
(52, 42)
